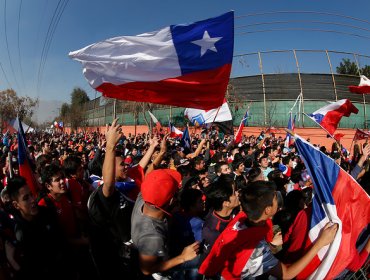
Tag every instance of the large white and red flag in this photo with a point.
(363, 87)
(329, 116)
(186, 65)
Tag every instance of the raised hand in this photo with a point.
(113, 134)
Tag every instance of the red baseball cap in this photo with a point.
(159, 187)
(128, 160)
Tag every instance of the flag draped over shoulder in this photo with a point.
(25, 169)
(186, 65)
(337, 198)
(220, 116)
(363, 87)
(329, 116)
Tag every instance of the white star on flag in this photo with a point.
(207, 43)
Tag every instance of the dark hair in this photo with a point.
(188, 197)
(235, 164)
(42, 161)
(14, 185)
(286, 159)
(307, 195)
(256, 197)
(220, 191)
(50, 171)
(218, 166)
(253, 174)
(71, 165)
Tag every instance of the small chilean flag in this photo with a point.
(329, 116)
(175, 132)
(363, 87)
(155, 120)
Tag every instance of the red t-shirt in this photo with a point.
(66, 217)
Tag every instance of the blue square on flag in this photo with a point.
(204, 45)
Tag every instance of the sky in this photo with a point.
(37, 35)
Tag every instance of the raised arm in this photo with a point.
(146, 158)
(157, 161)
(112, 136)
(198, 150)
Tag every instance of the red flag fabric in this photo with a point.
(155, 120)
(25, 169)
(239, 133)
(338, 136)
(175, 132)
(363, 87)
(361, 135)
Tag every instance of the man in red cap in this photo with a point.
(149, 225)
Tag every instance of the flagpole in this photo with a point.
(11, 174)
(353, 139)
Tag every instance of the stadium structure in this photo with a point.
(270, 83)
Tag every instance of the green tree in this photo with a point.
(65, 110)
(12, 105)
(77, 109)
(366, 71)
(347, 67)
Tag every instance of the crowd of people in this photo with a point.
(116, 206)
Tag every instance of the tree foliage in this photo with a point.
(12, 105)
(348, 67)
(76, 110)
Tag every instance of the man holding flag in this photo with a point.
(242, 251)
(337, 198)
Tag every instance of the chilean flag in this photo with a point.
(175, 132)
(239, 133)
(337, 198)
(25, 169)
(329, 116)
(363, 87)
(155, 120)
(361, 135)
(186, 65)
(291, 126)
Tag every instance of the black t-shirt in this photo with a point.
(112, 214)
(42, 245)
